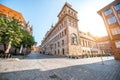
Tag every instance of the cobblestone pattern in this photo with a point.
(44, 67)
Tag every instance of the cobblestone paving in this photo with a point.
(45, 67)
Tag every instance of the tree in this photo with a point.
(10, 32)
(3, 29)
(27, 40)
(13, 34)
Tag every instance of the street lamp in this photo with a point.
(102, 59)
(101, 55)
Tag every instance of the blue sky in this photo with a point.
(43, 13)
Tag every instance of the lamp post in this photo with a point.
(102, 59)
(101, 55)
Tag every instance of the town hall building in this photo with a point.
(64, 38)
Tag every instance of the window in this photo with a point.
(62, 34)
(72, 23)
(58, 36)
(119, 15)
(63, 51)
(111, 20)
(71, 13)
(58, 44)
(61, 15)
(83, 43)
(74, 14)
(64, 22)
(65, 31)
(55, 45)
(55, 52)
(64, 12)
(62, 42)
(58, 51)
(83, 51)
(74, 38)
(117, 7)
(115, 31)
(109, 11)
(62, 25)
(68, 11)
(51, 46)
(69, 22)
(80, 41)
(117, 44)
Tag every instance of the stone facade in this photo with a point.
(64, 37)
(88, 43)
(104, 44)
(111, 18)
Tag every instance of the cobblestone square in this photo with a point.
(46, 67)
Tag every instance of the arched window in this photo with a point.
(74, 38)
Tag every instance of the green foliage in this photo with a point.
(27, 40)
(87, 55)
(15, 32)
(3, 29)
(73, 56)
(11, 30)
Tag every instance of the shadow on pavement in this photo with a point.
(94, 71)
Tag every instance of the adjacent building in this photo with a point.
(104, 44)
(64, 38)
(10, 13)
(111, 18)
(88, 43)
(36, 49)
